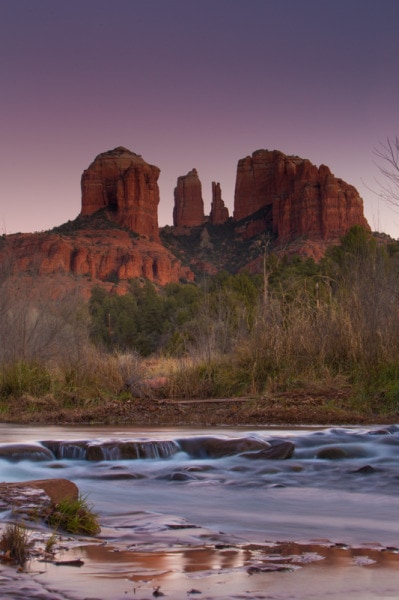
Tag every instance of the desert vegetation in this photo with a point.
(298, 325)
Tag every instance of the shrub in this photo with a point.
(15, 543)
(74, 515)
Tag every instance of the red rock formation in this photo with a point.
(99, 255)
(189, 206)
(126, 186)
(306, 201)
(219, 212)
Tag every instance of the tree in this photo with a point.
(388, 164)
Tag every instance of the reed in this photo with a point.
(15, 543)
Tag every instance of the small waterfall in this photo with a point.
(112, 450)
(76, 450)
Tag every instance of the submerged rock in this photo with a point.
(280, 451)
(332, 453)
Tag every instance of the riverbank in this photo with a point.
(317, 405)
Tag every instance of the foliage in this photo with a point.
(74, 515)
(15, 543)
(143, 320)
(297, 322)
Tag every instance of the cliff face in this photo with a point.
(189, 206)
(96, 255)
(305, 201)
(121, 182)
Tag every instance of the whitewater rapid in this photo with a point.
(338, 483)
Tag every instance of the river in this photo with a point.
(181, 507)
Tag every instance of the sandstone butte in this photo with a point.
(115, 238)
(295, 198)
(123, 184)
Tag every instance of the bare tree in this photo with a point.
(388, 164)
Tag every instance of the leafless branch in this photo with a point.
(387, 156)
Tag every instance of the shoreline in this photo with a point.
(324, 407)
(303, 569)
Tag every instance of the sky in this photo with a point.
(191, 84)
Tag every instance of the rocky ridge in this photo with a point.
(298, 207)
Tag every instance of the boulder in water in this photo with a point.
(215, 447)
(279, 451)
(25, 452)
(332, 453)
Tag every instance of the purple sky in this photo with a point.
(190, 83)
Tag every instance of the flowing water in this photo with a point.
(176, 502)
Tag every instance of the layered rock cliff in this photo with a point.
(305, 201)
(92, 256)
(125, 185)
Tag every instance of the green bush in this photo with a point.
(74, 515)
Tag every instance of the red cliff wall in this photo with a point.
(306, 201)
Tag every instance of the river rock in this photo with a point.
(214, 447)
(332, 453)
(35, 499)
(279, 451)
(34, 452)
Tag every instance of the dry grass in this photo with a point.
(15, 543)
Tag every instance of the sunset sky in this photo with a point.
(190, 83)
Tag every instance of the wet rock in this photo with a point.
(279, 451)
(332, 453)
(113, 450)
(366, 470)
(75, 450)
(35, 498)
(34, 452)
(269, 568)
(180, 476)
(379, 432)
(214, 447)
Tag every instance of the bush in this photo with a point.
(74, 515)
(15, 543)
